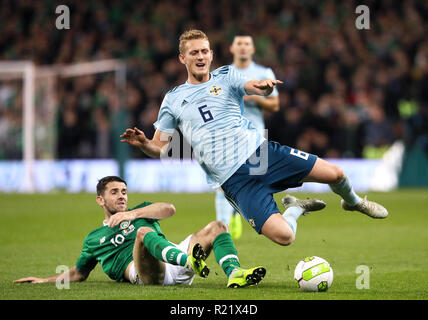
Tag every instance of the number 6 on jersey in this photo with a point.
(206, 115)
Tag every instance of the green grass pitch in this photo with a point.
(40, 232)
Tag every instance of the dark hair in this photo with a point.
(101, 186)
(241, 33)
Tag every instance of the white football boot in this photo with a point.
(307, 205)
(370, 208)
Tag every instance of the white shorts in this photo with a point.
(173, 274)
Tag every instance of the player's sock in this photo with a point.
(225, 253)
(345, 190)
(223, 208)
(164, 250)
(291, 215)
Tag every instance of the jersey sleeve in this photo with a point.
(166, 121)
(271, 75)
(237, 81)
(86, 262)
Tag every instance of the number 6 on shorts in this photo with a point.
(300, 154)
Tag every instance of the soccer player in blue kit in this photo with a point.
(243, 49)
(234, 155)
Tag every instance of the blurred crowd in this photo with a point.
(347, 92)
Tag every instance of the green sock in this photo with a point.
(225, 253)
(164, 250)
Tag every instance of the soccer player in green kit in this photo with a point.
(130, 246)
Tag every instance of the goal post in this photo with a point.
(96, 67)
(26, 71)
(32, 78)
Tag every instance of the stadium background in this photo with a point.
(348, 94)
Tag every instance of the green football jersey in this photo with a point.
(113, 247)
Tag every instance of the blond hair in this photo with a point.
(190, 35)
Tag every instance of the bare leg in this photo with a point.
(277, 229)
(325, 172)
(149, 269)
(205, 237)
(215, 237)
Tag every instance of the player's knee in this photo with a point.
(214, 228)
(142, 231)
(285, 239)
(278, 230)
(337, 174)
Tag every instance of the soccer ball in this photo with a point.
(313, 274)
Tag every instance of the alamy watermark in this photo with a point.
(63, 19)
(63, 281)
(219, 148)
(363, 279)
(362, 22)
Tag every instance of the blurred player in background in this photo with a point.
(243, 49)
(131, 247)
(234, 155)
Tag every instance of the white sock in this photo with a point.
(345, 190)
(291, 215)
(223, 208)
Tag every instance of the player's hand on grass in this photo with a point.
(134, 137)
(119, 217)
(31, 280)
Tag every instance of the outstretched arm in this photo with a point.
(266, 103)
(153, 148)
(261, 87)
(158, 210)
(72, 274)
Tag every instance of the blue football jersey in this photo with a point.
(251, 110)
(210, 117)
